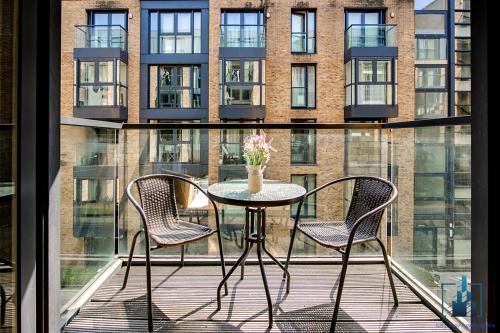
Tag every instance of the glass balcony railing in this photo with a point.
(100, 36)
(242, 36)
(368, 35)
(427, 231)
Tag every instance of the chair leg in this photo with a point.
(222, 262)
(389, 272)
(292, 238)
(130, 256)
(182, 255)
(148, 286)
(345, 260)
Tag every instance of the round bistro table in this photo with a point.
(273, 194)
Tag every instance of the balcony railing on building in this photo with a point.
(242, 35)
(100, 36)
(371, 35)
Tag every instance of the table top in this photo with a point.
(274, 193)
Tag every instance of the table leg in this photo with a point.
(271, 256)
(249, 219)
(238, 262)
(259, 242)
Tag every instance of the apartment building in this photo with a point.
(262, 61)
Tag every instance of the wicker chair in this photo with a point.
(161, 223)
(370, 197)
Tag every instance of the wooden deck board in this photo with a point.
(185, 301)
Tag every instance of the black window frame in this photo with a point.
(175, 33)
(242, 133)
(193, 91)
(305, 211)
(305, 12)
(305, 87)
(307, 149)
(261, 36)
(223, 83)
(115, 84)
(176, 134)
(355, 81)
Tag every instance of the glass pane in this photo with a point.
(462, 17)
(372, 18)
(427, 77)
(365, 71)
(430, 4)
(184, 44)
(429, 186)
(119, 19)
(298, 22)
(122, 96)
(233, 18)
(167, 23)
(462, 30)
(429, 24)
(299, 97)
(122, 69)
(167, 44)
(250, 18)
(233, 71)
(251, 71)
(383, 71)
(431, 49)
(100, 18)
(373, 94)
(197, 32)
(184, 22)
(462, 4)
(311, 32)
(308, 209)
(153, 42)
(311, 86)
(87, 74)
(105, 71)
(430, 104)
(298, 76)
(430, 159)
(353, 18)
(462, 58)
(96, 95)
(462, 44)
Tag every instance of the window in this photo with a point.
(303, 86)
(309, 206)
(242, 29)
(242, 82)
(303, 31)
(363, 18)
(107, 29)
(232, 145)
(96, 83)
(174, 86)
(175, 32)
(430, 24)
(430, 77)
(430, 4)
(430, 49)
(179, 145)
(430, 104)
(462, 103)
(374, 84)
(303, 144)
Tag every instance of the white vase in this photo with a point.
(255, 178)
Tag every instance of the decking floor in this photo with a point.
(184, 300)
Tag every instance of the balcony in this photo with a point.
(377, 40)
(429, 244)
(242, 41)
(100, 41)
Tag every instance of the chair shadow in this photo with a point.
(316, 319)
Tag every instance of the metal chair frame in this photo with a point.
(147, 235)
(345, 250)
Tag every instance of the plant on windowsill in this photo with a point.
(257, 152)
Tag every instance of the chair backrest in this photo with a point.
(368, 194)
(157, 195)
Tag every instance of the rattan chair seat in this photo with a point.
(334, 234)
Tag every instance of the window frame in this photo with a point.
(175, 31)
(191, 87)
(177, 143)
(308, 11)
(223, 83)
(304, 131)
(305, 205)
(355, 81)
(261, 42)
(306, 86)
(115, 84)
